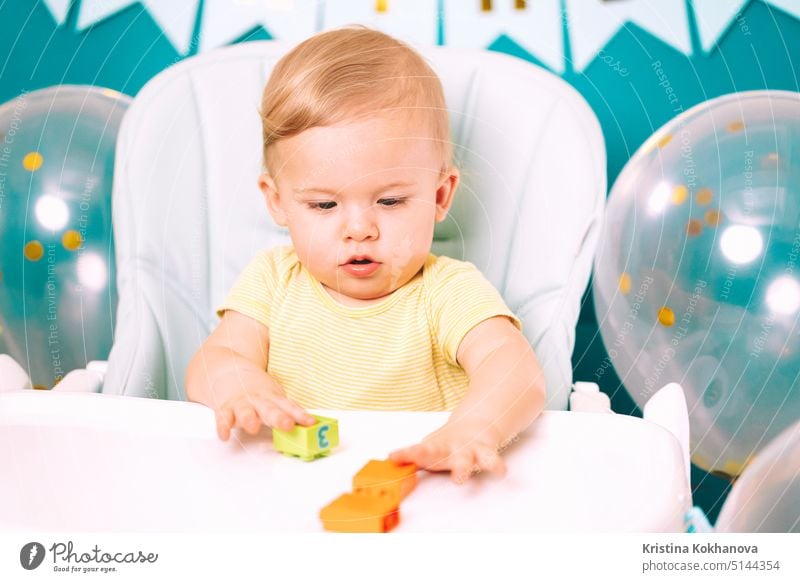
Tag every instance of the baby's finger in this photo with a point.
(441, 458)
(406, 455)
(418, 454)
(297, 412)
(224, 422)
(489, 460)
(246, 417)
(462, 465)
(424, 455)
(273, 415)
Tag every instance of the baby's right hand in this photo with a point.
(250, 409)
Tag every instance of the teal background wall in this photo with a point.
(759, 51)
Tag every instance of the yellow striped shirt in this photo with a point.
(398, 354)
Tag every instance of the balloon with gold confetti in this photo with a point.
(57, 292)
(698, 280)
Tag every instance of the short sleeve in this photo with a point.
(460, 297)
(254, 290)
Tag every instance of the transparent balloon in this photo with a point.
(697, 279)
(766, 498)
(57, 291)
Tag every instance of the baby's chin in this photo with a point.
(348, 299)
(363, 290)
(373, 287)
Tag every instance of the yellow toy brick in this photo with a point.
(360, 514)
(308, 442)
(386, 479)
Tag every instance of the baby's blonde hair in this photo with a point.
(350, 73)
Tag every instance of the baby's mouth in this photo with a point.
(361, 266)
(359, 260)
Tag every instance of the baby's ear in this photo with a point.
(273, 199)
(446, 191)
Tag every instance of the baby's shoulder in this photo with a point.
(284, 256)
(279, 263)
(440, 269)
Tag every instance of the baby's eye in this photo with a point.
(328, 205)
(391, 201)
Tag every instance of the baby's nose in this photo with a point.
(361, 224)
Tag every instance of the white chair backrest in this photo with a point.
(188, 214)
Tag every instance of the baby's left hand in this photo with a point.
(462, 450)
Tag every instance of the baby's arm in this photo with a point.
(506, 393)
(228, 374)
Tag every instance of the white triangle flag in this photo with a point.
(224, 21)
(714, 17)
(176, 19)
(93, 11)
(791, 7)
(536, 27)
(592, 23)
(414, 21)
(58, 9)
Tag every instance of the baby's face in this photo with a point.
(360, 200)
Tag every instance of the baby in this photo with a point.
(357, 313)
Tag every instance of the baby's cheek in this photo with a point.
(311, 232)
(403, 259)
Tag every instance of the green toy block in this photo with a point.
(308, 442)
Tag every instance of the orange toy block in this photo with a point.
(360, 514)
(386, 479)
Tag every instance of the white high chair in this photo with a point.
(188, 216)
